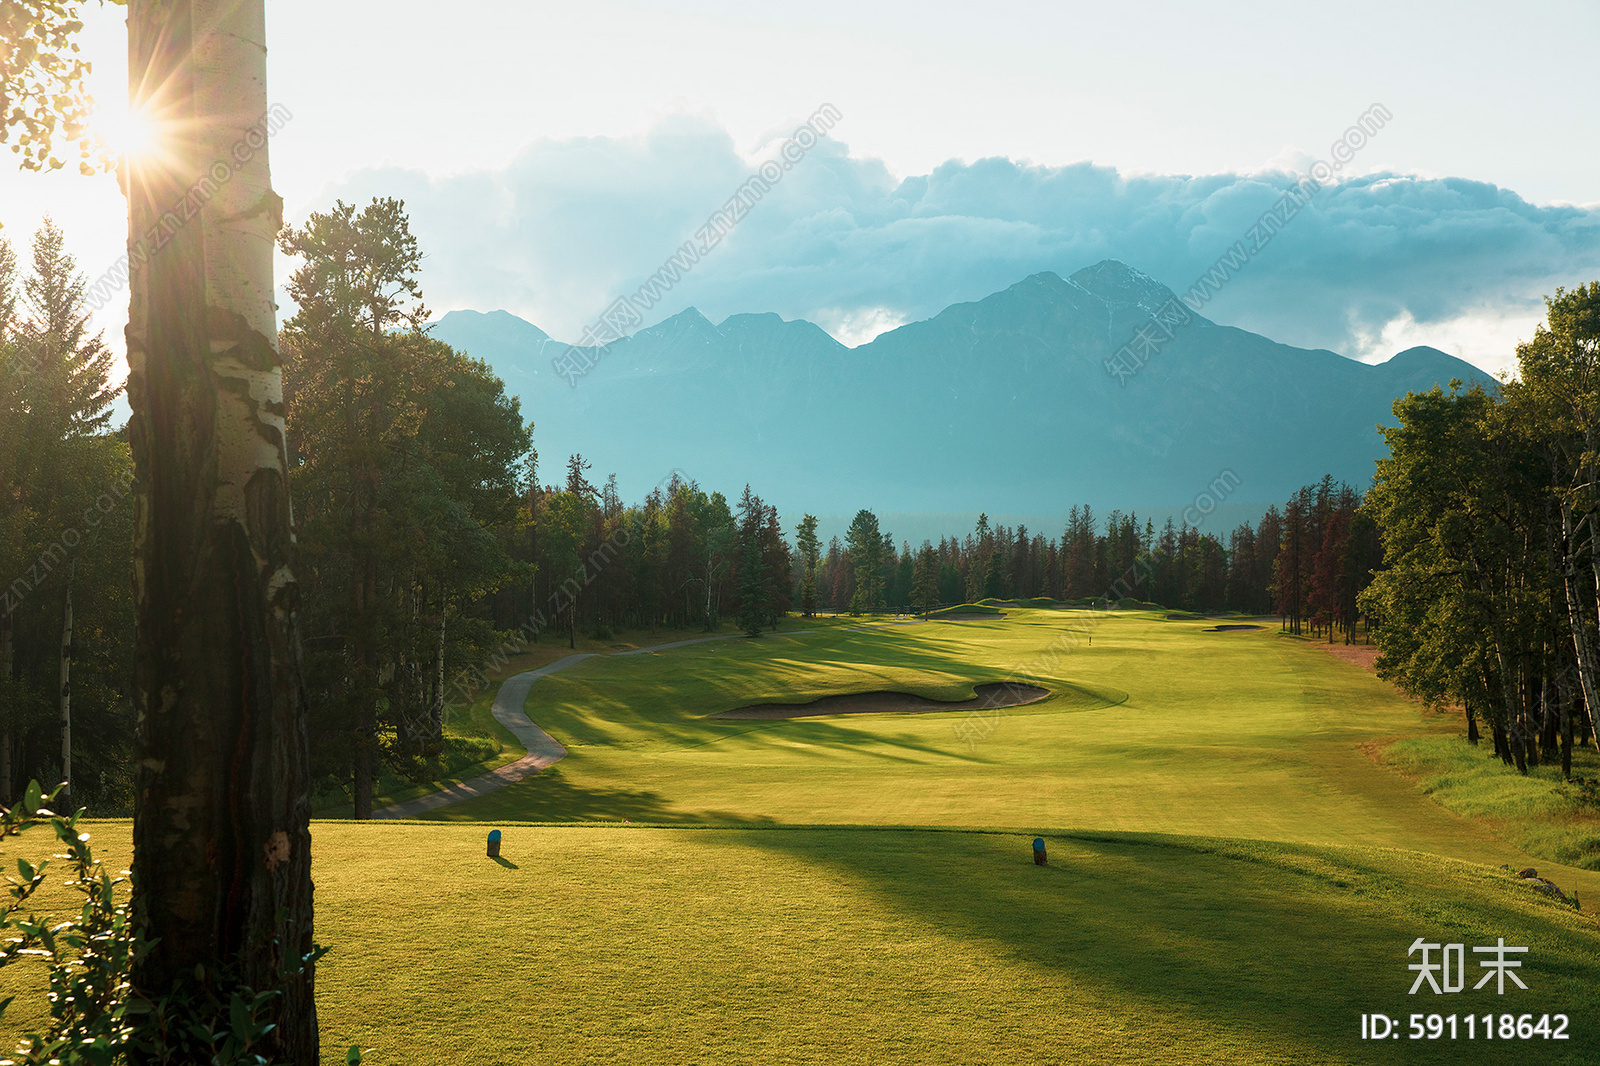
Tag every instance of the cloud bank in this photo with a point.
(1376, 260)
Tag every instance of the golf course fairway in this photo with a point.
(1233, 875)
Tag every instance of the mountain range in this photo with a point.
(1004, 405)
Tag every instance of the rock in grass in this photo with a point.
(1528, 872)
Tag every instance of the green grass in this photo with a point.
(1233, 879)
(1524, 808)
(474, 743)
(1156, 726)
(873, 946)
(860, 945)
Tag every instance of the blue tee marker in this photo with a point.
(494, 843)
(1038, 851)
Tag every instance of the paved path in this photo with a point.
(543, 749)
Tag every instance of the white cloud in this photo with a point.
(1376, 260)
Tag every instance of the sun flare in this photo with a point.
(128, 133)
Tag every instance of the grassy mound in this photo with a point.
(1128, 603)
(966, 609)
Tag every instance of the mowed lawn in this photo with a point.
(615, 944)
(1158, 726)
(1225, 883)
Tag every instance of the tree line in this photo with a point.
(1489, 594)
(430, 549)
(65, 529)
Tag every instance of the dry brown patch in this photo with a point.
(1363, 655)
(1373, 749)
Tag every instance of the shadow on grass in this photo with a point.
(507, 863)
(663, 703)
(1277, 945)
(552, 797)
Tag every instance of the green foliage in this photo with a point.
(752, 574)
(864, 542)
(43, 101)
(810, 549)
(64, 515)
(97, 1018)
(925, 580)
(405, 470)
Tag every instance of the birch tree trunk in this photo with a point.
(222, 861)
(1577, 624)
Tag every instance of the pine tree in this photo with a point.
(925, 580)
(753, 611)
(810, 550)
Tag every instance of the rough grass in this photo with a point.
(474, 743)
(1526, 809)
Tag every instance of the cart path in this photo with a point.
(543, 749)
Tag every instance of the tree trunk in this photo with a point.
(1577, 623)
(222, 845)
(366, 760)
(7, 785)
(436, 704)
(66, 803)
(1564, 694)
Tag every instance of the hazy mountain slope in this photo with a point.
(1003, 404)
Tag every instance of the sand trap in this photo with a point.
(1229, 629)
(995, 694)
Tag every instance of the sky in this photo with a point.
(552, 157)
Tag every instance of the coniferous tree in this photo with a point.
(810, 550)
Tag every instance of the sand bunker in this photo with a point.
(996, 694)
(1228, 629)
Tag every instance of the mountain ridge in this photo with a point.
(1002, 404)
